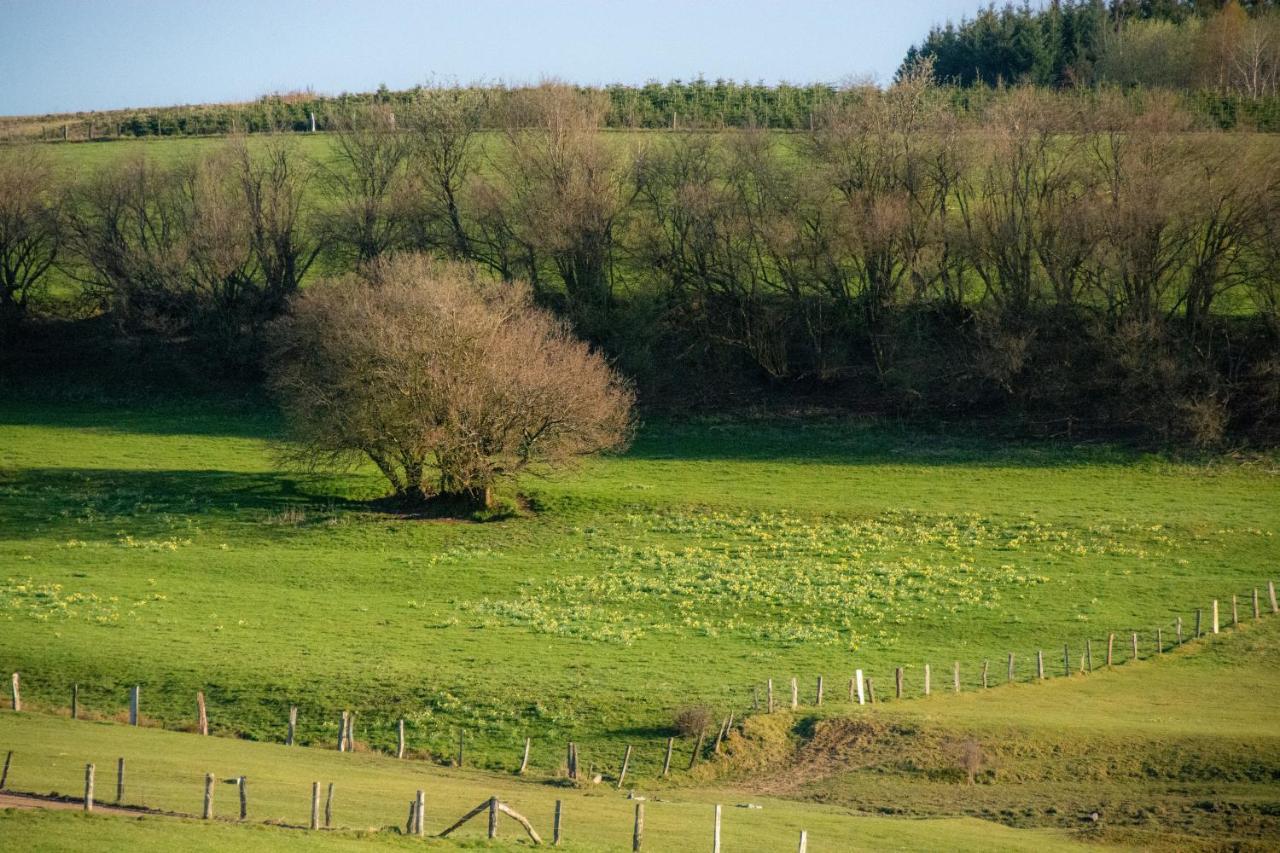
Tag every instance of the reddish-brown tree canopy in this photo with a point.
(446, 380)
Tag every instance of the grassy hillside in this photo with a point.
(166, 770)
(159, 546)
(1175, 753)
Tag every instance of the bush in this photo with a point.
(693, 720)
(448, 382)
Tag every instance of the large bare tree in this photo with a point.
(447, 381)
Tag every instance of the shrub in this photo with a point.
(448, 382)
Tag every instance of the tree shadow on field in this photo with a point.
(837, 441)
(94, 502)
(245, 418)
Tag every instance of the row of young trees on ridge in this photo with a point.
(1068, 266)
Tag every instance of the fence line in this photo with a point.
(1143, 644)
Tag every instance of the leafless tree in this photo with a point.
(447, 381)
(368, 185)
(31, 227)
(556, 196)
(444, 124)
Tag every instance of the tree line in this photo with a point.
(1225, 47)
(1073, 265)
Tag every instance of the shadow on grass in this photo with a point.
(821, 440)
(41, 501)
(849, 441)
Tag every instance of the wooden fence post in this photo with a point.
(119, 780)
(897, 682)
(419, 814)
(626, 760)
(795, 694)
(315, 805)
(637, 833)
(1178, 627)
(1159, 642)
(202, 715)
(804, 842)
(1135, 645)
(135, 699)
(462, 738)
(770, 689)
(1196, 635)
(871, 691)
(1011, 673)
(927, 679)
(697, 749)
(666, 762)
(242, 785)
(342, 732)
(860, 684)
(1111, 644)
(555, 826)
(1271, 593)
(15, 692)
(400, 743)
(75, 701)
(208, 796)
(351, 732)
(1257, 614)
(1235, 611)
(819, 702)
(524, 760)
(715, 833)
(493, 817)
(955, 676)
(985, 665)
(293, 725)
(1040, 664)
(1215, 616)
(88, 787)
(1088, 653)
(720, 735)
(4, 774)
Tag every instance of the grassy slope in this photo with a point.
(1176, 752)
(709, 558)
(166, 770)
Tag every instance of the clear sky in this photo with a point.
(69, 55)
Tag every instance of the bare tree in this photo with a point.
(444, 124)
(209, 247)
(31, 229)
(446, 381)
(368, 185)
(557, 196)
(130, 226)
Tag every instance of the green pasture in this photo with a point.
(161, 546)
(1172, 753)
(165, 770)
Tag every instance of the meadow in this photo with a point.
(1174, 753)
(160, 545)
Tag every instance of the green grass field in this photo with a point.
(160, 546)
(166, 771)
(1171, 753)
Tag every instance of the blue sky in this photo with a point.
(68, 55)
